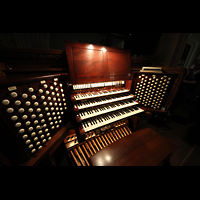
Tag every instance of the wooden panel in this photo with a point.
(33, 60)
(118, 63)
(167, 93)
(96, 63)
(87, 61)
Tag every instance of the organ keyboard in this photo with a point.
(100, 101)
(101, 84)
(104, 106)
(98, 110)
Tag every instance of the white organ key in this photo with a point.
(30, 146)
(36, 103)
(24, 117)
(28, 141)
(33, 134)
(42, 136)
(45, 86)
(5, 102)
(33, 97)
(48, 134)
(21, 131)
(33, 150)
(39, 147)
(33, 116)
(27, 103)
(30, 110)
(30, 128)
(40, 90)
(18, 124)
(10, 110)
(38, 110)
(13, 94)
(35, 122)
(27, 123)
(52, 108)
(14, 118)
(24, 95)
(30, 89)
(25, 136)
(44, 140)
(38, 127)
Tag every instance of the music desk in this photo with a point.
(142, 148)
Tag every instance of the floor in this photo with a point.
(181, 128)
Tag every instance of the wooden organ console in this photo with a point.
(91, 107)
(106, 96)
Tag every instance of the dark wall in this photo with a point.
(144, 43)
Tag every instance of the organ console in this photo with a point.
(99, 97)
